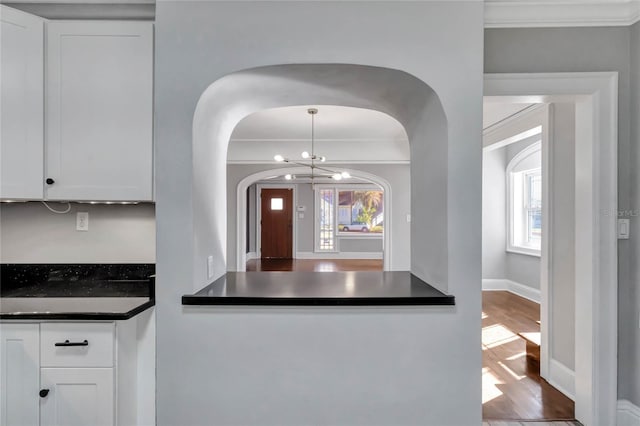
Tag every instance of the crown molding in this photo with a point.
(560, 13)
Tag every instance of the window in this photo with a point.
(359, 213)
(524, 177)
(326, 221)
(276, 204)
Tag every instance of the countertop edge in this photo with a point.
(192, 300)
(79, 315)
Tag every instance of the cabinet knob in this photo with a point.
(44, 393)
(50, 181)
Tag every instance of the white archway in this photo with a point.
(241, 200)
(400, 95)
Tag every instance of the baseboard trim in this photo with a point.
(338, 255)
(562, 378)
(628, 413)
(252, 255)
(501, 284)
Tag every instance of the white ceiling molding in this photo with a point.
(514, 128)
(79, 2)
(560, 13)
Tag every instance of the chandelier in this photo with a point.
(311, 160)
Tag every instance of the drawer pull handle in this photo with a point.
(68, 343)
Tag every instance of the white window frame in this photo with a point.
(516, 208)
(316, 219)
(337, 234)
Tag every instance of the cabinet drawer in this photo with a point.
(76, 345)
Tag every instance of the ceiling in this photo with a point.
(495, 112)
(331, 122)
(342, 134)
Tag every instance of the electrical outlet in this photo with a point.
(210, 267)
(82, 221)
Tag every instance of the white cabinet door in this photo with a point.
(22, 104)
(99, 111)
(19, 374)
(77, 397)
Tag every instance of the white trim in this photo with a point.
(546, 252)
(562, 378)
(628, 413)
(251, 255)
(294, 215)
(530, 135)
(502, 284)
(521, 121)
(596, 99)
(241, 210)
(339, 255)
(553, 13)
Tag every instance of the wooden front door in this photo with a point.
(276, 237)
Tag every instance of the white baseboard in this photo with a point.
(252, 255)
(628, 413)
(521, 290)
(339, 255)
(562, 378)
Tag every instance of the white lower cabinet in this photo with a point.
(77, 397)
(19, 374)
(77, 373)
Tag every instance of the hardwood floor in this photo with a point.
(314, 265)
(510, 389)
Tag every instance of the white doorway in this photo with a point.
(595, 244)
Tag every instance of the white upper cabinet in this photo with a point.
(99, 111)
(22, 105)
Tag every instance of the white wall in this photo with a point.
(327, 366)
(562, 282)
(496, 261)
(29, 233)
(494, 219)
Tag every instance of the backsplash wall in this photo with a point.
(30, 233)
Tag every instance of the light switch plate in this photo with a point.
(623, 229)
(82, 221)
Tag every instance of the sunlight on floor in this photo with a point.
(489, 386)
(496, 335)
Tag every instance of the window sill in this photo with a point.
(359, 235)
(524, 251)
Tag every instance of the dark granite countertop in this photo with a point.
(76, 308)
(319, 289)
(75, 291)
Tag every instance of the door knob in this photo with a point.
(50, 181)
(44, 393)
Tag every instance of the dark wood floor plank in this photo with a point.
(524, 394)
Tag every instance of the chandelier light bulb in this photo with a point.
(323, 159)
(345, 175)
(279, 158)
(337, 176)
(305, 154)
(288, 177)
